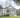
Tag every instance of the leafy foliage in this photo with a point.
(19, 11)
(17, 1)
(16, 10)
(7, 10)
(1, 7)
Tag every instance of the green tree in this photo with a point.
(16, 10)
(19, 11)
(7, 10)
(17, 1)
(1, 7)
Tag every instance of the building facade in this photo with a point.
(12, 10)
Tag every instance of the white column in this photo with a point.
(11, 12)
(3, 11)
(15, 13)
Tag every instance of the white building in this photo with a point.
(12, 10)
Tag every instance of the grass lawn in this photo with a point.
(11, 17)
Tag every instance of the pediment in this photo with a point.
(9, 7)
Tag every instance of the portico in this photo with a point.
(12, 12)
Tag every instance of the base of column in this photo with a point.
(12, 15)
(15, 15)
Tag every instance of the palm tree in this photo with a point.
(17, 1)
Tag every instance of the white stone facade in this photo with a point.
(12, 11)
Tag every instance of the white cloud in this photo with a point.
(15, 6)
(3, 0)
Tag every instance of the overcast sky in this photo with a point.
(11, 2)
